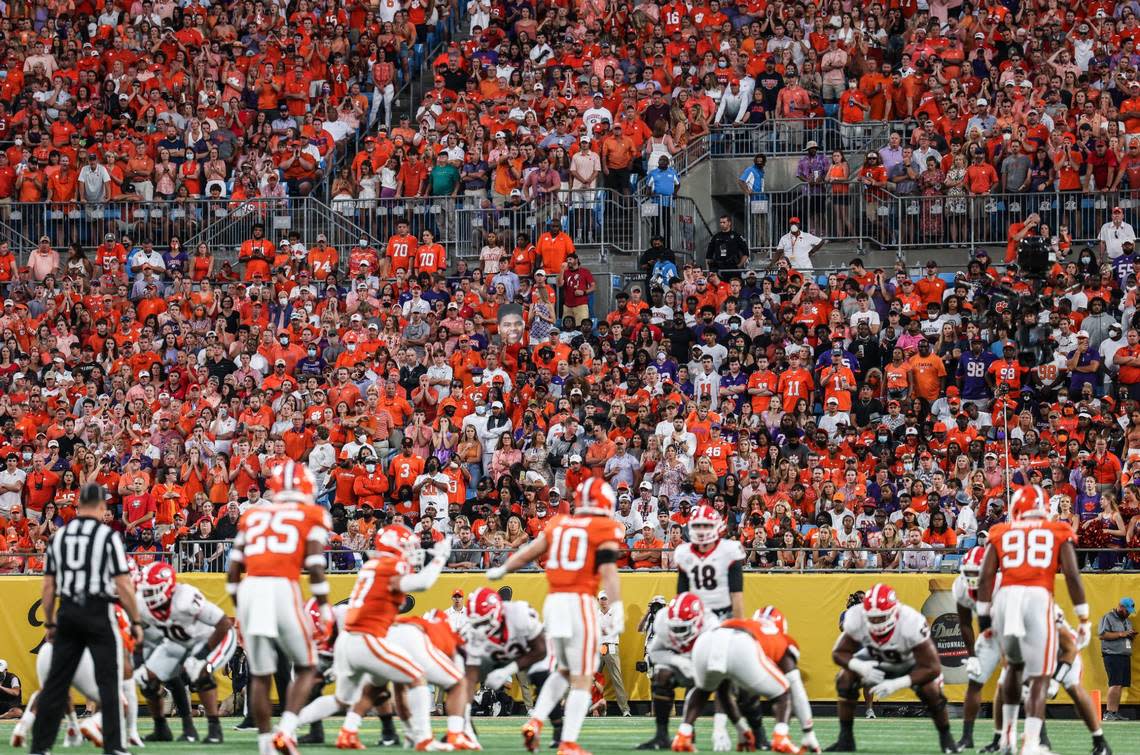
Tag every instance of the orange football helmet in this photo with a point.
(397, 540)
(1028, 502)
(292, 482)
(595, 496)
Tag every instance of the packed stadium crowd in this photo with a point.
(863, 419)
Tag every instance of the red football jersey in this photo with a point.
(271, 537)
(373, 604)
(1029, 551)
(572, 550)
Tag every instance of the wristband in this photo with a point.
(1082, 611)
(984, 623)
(49, 625)
(231, 588)
(982, 608)
(319, 588)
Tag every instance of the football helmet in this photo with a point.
(484, 611)
(971, 567)
(1028, 502)
(157, 588)
(595, 496)
(881, 607)
(684, 618)
(705, 526)
(772, 614)
(292, 482)
(397, 540)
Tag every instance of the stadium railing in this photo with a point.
(211, 556)
(784, 137)
(854, 213)
(613, 221)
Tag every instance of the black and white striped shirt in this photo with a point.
(85, 556)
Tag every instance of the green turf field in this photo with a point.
(911, 736)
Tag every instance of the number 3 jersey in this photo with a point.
(572, 551)
(895, 652)
(713, 575)
(521, 625)
(1029, 551)
(189, 620)
(271, 538)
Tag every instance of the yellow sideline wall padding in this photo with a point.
(812, 604)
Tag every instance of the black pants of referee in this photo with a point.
(90, 626)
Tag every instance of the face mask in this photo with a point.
(794, 228)
(370, 467)
(734, 326)
(282, 300)
(308, 307)
(882, 438)
(350, 346)
(480, 410)
(27, 456)
(1086, 260)
(284, 341)
(312, 352)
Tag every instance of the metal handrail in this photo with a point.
(887, 220)
(211, 556)
(784, 137)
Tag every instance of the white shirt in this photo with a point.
(595, 115)
(796, 248)
(456, 617)
(611, 632)
(9, 500)
(1114, 237)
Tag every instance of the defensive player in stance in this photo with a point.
(504, 638)
(1028, 551)
(184, 632)
(887, 645)
(581, 550)
(275, 543)
(984, 654)
(365, 653)
(748, 654)
(713, 569)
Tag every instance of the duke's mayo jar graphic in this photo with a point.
(941, 612)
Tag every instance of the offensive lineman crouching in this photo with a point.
(753, 656)
(184, 632)
(887, 645)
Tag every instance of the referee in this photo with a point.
(87, 570)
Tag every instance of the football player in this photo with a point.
(801, 706)
(183, 632)
(364, 654)
(274, 544)
(1028, 551)
(431, 642)
(581, 550)
(713, 569)
(507, 637)
(887, 645)
(984, 655)
(747, 654)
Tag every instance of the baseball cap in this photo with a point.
(1129, 604)
(457, 593)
